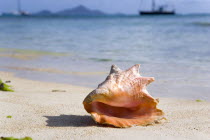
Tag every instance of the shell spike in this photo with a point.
(150, 79)
(135, 68)
(115, 69)
(147, 80)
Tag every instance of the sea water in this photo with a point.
(173, 49)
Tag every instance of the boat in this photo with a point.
(19, 12)
(160, 10)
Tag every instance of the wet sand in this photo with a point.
(42, 114)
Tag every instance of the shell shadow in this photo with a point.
(70, 120)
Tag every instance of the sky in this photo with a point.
(108, 6)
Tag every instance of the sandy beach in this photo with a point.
(42, 114)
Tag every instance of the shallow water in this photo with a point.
(173, 49)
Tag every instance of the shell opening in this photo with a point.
(141, 110)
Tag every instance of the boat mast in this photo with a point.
(19, 6)
(153, 5)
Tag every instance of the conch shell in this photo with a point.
(122, 100)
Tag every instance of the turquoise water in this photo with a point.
(173, 49)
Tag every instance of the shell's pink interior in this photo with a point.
(140, 110)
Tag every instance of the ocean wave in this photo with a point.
(26, 54)
(204, 24)
(101, 59)
(53, 70)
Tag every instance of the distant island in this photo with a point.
(80, 11)
(75, 11)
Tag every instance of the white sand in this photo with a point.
(45, 115)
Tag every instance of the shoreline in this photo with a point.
(39, 113)
(7, 76)
(63, 84)
(57, 75)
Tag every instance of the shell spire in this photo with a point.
(122, 100)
